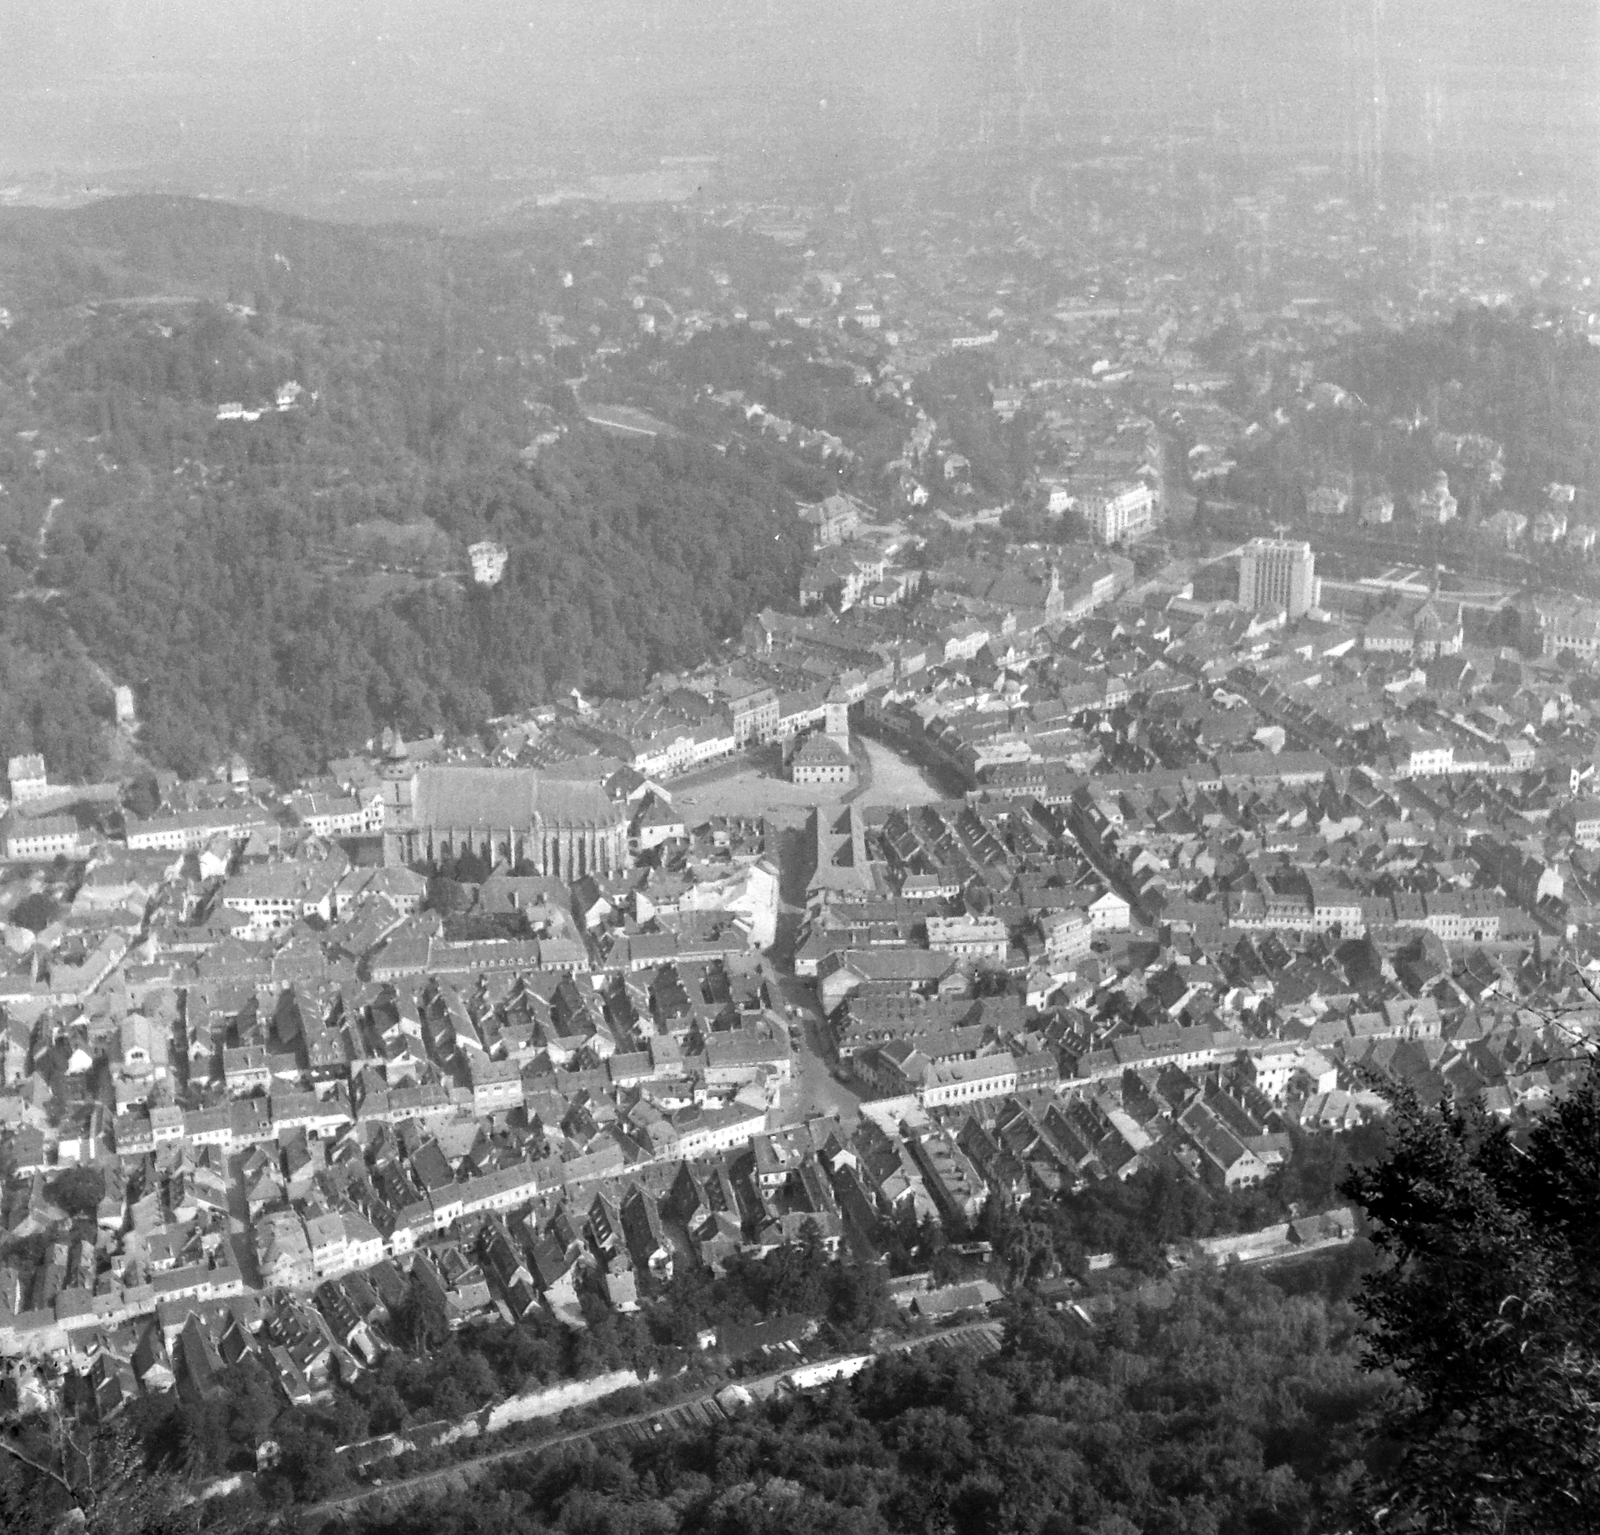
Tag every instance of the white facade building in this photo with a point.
(1120, 513)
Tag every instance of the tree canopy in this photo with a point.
(289, 584)
(1225, 1406)
(1488, 1311)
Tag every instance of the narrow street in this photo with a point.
(814, 1090)
(893, 779)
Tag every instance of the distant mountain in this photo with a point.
(287, 581)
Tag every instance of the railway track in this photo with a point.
(977, 1340)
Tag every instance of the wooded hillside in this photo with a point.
(227, 568)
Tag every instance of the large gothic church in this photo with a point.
(510, 815)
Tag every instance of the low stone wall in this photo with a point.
(555, 1399)
(547, 1402)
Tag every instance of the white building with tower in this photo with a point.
(824, 757)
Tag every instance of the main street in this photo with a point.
(814, 1089)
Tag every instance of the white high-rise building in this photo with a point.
(1278, 574)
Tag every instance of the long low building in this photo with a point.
(77, 1314)
(234, 1126)
(985, 1076)
(1161, 1045)
(185, 830)
(38, 837)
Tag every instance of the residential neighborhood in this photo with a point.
(493, 1024)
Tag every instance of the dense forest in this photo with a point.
(1534, 390)
(290, 584)
(1503, 405)
(1225, 1405)
(1216, 1403)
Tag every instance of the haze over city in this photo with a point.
(314, 105)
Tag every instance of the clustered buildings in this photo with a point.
(1211, 854)
(1207, 866)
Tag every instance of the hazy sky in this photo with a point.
(213, 93)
